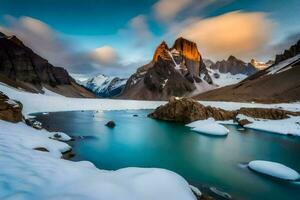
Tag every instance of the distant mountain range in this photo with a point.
(279, 82)
(21, 68)
(104, 86)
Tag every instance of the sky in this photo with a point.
(115, 37)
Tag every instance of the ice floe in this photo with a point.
(274, 169)
(208, 126)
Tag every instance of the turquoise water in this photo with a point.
(202, 160)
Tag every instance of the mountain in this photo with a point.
(278, 83)
(20, 67)
(234, 66)
(261, 65)
(175, 71)
(230, 71)
(104, 86)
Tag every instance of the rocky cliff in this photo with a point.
(289, 53)
(21, 67)
(176, 71)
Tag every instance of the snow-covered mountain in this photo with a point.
(104, 86)
(223, 79)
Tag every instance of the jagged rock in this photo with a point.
(110, 124)
(234, 66)
(291, 52)
(172, 71)
(10, 110)
(187, 110)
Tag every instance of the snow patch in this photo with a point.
(208, 126)
(289, 126)
(280, 66)
(274, 169)
(31, 174)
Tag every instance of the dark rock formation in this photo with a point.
(234, 66)
(291, 52)
(21, 67)
(265, 113)
(41, 149)
(10, 110)
(110, 124)
(172, 71)
(187, 110)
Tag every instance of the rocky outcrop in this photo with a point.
(10, 110)
(172, 71)
(21, 67)
(187, 110)
(234, 66)
(291, 52)
(264, 113)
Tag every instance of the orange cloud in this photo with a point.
(105, 55)
(242, 34)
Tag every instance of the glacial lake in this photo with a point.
(204, 161)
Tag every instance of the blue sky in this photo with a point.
(116, 37)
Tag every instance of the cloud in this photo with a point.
(105, 55)
(136, 31)
(242, 34)
(54, 46)
(167, 9)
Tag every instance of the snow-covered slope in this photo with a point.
(105, 86)
(224, 79)
(30, 174)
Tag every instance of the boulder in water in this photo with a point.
(110, 124)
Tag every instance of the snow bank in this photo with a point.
(274, 169)
(30, 174)
(289, 126)
(209, 126)
(49, 103)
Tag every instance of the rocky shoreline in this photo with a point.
(186, 110)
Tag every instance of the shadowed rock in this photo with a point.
(10, 110)
(110, 124)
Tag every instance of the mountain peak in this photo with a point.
(187, 48)
(161, 51)
(2, 34)
(231, 57)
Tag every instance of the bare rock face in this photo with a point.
(234, 66)
(162, 52)
(10, 110)
(172, 71)
(291, 52)
(187, 110)
(21, 67)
